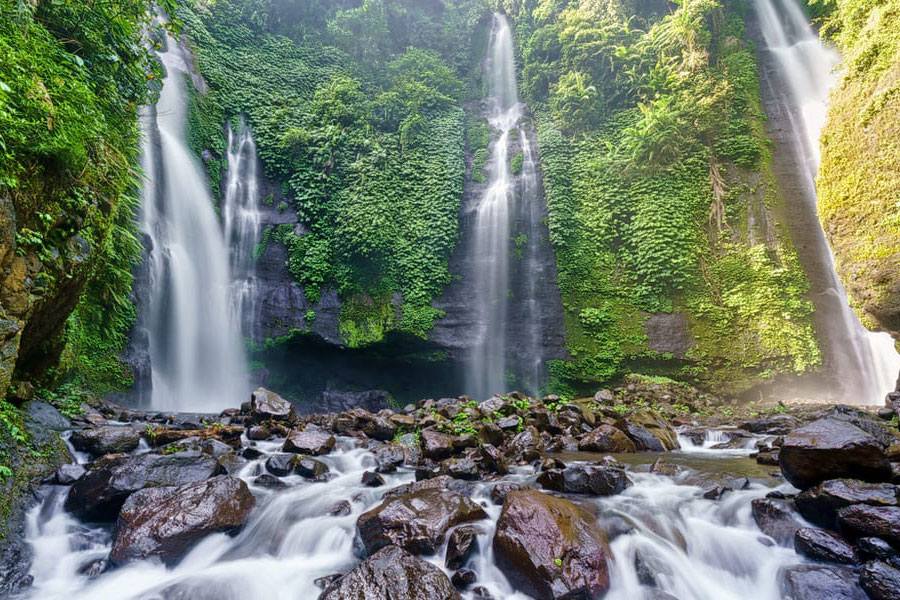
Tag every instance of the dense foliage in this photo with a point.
(362, 122)
(859, 177)
(654, 156)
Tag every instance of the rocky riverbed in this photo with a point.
(628, 494)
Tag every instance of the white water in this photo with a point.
(492, 232)
(197, 362)
(241, 221)
(867, 363)
(697, 549)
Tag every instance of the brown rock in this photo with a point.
(606, 438)
(314, 443)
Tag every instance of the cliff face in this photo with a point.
(859, 178)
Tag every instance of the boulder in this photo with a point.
(372, 479)
(417, 521)
(281, 464)
(595, 480)
(269, 406)
(463, 578)
(820, 504)
(649, 431)
(832, 449)
(392, 574)
(880, 580)
(268, 480)
(314, 443)
(863, 520)
(68, 474)
(436, 445)
(106, 439)
(380, 428)
(463, 542)
(870, 548)
(777, 519)
(502, 489)
(824, 546)
(772, 425)
(230, 435)
(817, 582)
(441, 482)
(550, 548)
(466, 467)
(165, 522)
(525, 446)
(389, 457)
(606, 438)
(108, 482)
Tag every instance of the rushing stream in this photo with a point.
(692, 548)
(865, 362)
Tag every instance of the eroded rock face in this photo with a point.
(314, 443)
(606, 438)
(165, 522)
(269, 406)
(101, 491)
(820, 504)
(832, 449)
(817, 582)
(392, 574)
(550, 548)
(106, 439)
(417, 522)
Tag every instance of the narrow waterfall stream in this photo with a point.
(197, 362)
(241, 222)
(865, 363)
(507, 237)
(673, 539)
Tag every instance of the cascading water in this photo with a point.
(507, 216)
(241, 221)
(864, 362)
(197, 362)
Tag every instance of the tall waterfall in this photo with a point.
(505, 287)
(241, 222)
(197, 362)
(865, 362)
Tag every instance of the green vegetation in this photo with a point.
(859, 177)
(362, 122)
(654, 157)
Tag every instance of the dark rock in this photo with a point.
(372, 479)
(251, 453)
(107, 439)
(439, 482)
(210, 447)
(824, 546)
(94, 568)
(777, 519)
(311, 468)
(380, 428)
(649, 431)
(880, 580)
(831, 449)
(417, 521)
(68, 474)
(490, 433)
(525, 446)
(463, 467)
(267, 480)
(314, 443)
(269, 406)
(508, 423)
(481, 593)
(340, 509)
(817, 582)
(108, 482)
(389, 457)
(863, 520)
(391, 573)
(462, 544)
(230, 435)
(585, 479)
(281, 464)
(463, 578)
(820, 504)
(870, 548)
(259, 433)
(165, 522)
(492, 460)
(436, 445)
(606, 438)
(772, 425)
(324, 582)
(886, 435)
(768, 458)
(502, 489)
(550, 548)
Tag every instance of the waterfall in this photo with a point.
(864, 362)
(241, 222)
(506, 291)
(197, 362)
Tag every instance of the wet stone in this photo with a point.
(463, 542)
(880, 580)
(824, 546)
(372, 479)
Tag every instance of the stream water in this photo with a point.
(865, 363)
(695, 549)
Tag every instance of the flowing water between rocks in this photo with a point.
(671, 540)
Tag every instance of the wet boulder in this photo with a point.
(649, 431)
(392, 574)
(162, 436)
(314, 443)
(863, 520)
(372, 479)
(824, 546)
(771, 425)
(594, 480)
(68, 474)
(380, 428)
(269, 481)
(467, 466)
(502, 489)
(106, 439)
(820, 504)
(816, 582)
(870, 548)
(880, 580)
(461, 545)
(832, 449)
(266, 405)
(389, 457)
(100, 492)
(440, 482)
(164, 522)
(417, 521)
(436, 445)
(525, 446)
(777, 519)
(606, 438)
(550, 548)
